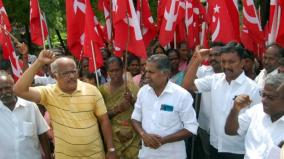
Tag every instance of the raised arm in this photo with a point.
(232, 123)
(190, 75)
(23, 88)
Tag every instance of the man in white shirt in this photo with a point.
(270, 61)
(23, 129)
(263, 124)
(214, 60)
(163, 115)
(223, 87)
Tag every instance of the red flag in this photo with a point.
(232, 6)
(221, 24)
(148, 27)
(169, 22)
(251, 21)
(280, 35)
(92, 41)
(194, 17)
(252, 35)
(104, 5)
(38, 27)
(160, 12)
(271, 28)
(124, 13)
(180, 30)
(6, 43)
(75, 18)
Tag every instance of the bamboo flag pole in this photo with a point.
(41, 26)
(11, 35)
(126, 51)
(48, 37)
(95, 64)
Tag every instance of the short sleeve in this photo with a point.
(43, 94)
(41, 124)
(204, 84)
(187, 114)
(137, 112)
(100, 107)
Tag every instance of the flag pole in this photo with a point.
(41, 26)
(48, 37)
(126, 51)
(175, 40)
(111, 29)
(95, 65)
(11, 35)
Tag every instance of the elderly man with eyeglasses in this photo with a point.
(75, 108)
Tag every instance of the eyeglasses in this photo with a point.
(68, 73)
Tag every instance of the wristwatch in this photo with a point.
(111, 149)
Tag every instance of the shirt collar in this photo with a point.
(60, 92)
(240, 79)
(167, 89)
(20, 103)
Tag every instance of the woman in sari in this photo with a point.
(119, 102)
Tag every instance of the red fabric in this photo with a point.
(104, 5)
(221, 24)
(75, 18)
(280, 35)
(6, 43)
(169, 22)
(92, 35)
(149, 29)
(234, 14)
(252, 35)
(180, 29)
(37, 23)
(121, 27)
(195, 13)
(271, 26)
(160, 12)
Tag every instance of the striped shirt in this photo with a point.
(74, 120)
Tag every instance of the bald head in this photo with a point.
(4, 76)
(59, 62)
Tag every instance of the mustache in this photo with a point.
(227, 70)
(6, 97)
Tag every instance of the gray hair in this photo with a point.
(162, 61)
(54, 64)
(275, 80)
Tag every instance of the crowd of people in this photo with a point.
(216, 103)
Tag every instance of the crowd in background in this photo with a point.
(233, 94)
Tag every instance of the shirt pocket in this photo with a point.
(167, 119)
(28, 129)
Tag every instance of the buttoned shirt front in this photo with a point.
(164, 115)
(261, 134)
(222, 97)
(19, 131)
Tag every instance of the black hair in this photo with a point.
(114, 59)
(172, 50)
(158, 46)
(131, 57)
(233, 47)
(217, 43)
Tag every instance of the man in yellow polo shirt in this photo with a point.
(74, 107)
